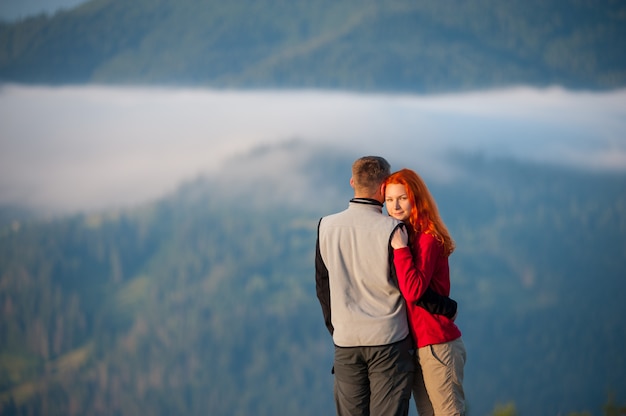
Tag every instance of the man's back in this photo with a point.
(367, 307)
(362, 306)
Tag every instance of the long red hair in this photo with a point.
(424, 217)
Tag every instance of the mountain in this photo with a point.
(203, 302)
(392, 45)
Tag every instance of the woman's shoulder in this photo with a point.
(430, 241)
(428, 238)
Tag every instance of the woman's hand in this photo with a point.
(399, 238)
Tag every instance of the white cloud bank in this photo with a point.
(82, 148)
(11, 10)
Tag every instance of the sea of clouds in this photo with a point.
(67, 149)
(12, 10)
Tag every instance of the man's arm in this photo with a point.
(437, 304)
(322, 285)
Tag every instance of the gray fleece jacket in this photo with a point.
(360, 299)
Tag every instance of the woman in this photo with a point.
(422, 256)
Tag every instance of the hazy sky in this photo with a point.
(76, 148)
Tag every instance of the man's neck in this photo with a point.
(366, 200)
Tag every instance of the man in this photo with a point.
(373, 362)
(362, 306)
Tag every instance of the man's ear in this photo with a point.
(352, 181)
(382, 190)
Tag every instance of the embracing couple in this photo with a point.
(383, 282)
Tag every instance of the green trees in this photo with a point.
(184, 307)
(609, 409)
(398, 45)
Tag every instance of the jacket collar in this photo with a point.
(367, 201)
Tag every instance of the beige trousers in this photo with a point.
(438, 382)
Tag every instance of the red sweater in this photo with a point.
(429, 269)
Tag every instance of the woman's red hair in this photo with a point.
(424, 217)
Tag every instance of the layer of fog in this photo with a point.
(13, 10)
(84, 148)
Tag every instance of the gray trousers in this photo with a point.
(374, 381)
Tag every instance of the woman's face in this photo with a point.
(397, 201)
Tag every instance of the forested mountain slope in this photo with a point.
(391, 45)
(204, 302)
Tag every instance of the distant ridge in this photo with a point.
(393, 45)
(203, 302)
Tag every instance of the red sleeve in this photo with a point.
(413, 280)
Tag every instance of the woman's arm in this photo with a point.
(411, 281)
(415, 270)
